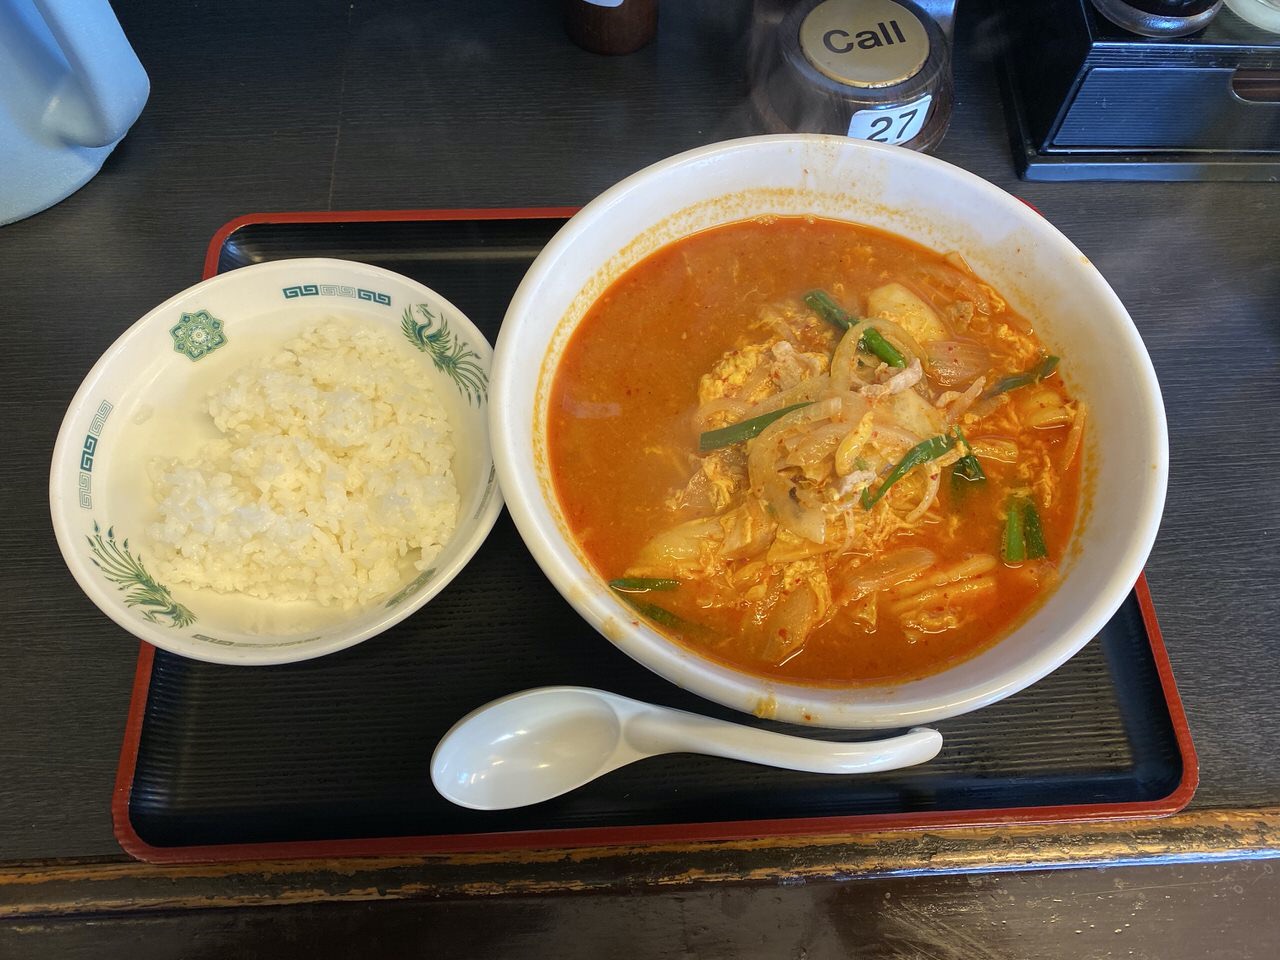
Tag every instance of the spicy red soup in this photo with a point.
(816, 451)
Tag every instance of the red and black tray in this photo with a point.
(330, 757)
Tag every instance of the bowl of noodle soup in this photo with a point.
(829, 432)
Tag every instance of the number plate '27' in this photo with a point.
(891, 124)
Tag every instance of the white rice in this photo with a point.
(332, 481)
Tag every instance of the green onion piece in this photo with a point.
(739, 432)
(820, 302)
(1014, 547)
(962, 478)
(1034, 534)
(922, 452)
(1039, 372)
(651, 611)
(882, 348)
(967, 467)
(643, 584)
(659, 615)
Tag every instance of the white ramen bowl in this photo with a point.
(1008, 244)
(144, 398)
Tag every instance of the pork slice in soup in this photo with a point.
(816, 451)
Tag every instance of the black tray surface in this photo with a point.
(339, 748)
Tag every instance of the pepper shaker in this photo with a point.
(611, 27)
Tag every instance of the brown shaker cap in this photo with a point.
(611, 26)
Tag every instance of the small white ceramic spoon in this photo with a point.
(538, 744)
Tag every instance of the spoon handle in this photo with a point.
(659, 730)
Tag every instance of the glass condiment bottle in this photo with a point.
(612, 27)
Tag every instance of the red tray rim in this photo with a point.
(135, 846)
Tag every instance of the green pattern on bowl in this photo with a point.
(450, 355)
(407, 590)
(126, 571)
(254, 646)
(197, 334)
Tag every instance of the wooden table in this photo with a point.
(321, 104)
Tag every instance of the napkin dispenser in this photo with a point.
(1087, 100)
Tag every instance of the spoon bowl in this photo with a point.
(543, 742)
(538, 744)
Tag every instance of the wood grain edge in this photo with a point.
(68, 888)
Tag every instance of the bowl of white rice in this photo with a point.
(278, 463)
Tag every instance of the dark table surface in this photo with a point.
(332, 104)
